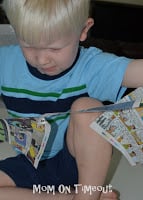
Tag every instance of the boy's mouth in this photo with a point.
(47, 70)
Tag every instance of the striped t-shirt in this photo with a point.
(27, 93)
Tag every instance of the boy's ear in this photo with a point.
(89, 23)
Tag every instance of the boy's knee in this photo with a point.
(85, 103)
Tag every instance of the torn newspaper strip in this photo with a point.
(27, 135)
(124, 128)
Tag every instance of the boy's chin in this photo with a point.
(49, 72)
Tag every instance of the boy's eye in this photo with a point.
(27, 47)
(54, 49)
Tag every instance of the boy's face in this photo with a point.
(54, 58)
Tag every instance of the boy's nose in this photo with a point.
(43, 60)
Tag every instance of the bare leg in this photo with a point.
(92, 154)
(13, 193)
(91, 151)
(5, 180)
(8, 191)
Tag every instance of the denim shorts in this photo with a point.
(61, 169)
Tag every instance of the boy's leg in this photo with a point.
(5, 180)
(91, 151)
(10, 193)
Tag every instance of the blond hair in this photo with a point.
(52, 19)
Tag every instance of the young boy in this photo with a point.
(49, 72)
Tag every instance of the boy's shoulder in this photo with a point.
(95, 55)
(10, 48)
(10, 52)
(90, 50)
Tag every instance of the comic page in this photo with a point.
(27, 135)
(124, 128)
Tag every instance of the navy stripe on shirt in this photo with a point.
(24, 105)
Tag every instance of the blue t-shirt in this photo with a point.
(27, 93)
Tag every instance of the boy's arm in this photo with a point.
(133, 77)
(13, 193)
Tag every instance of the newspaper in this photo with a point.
(27, 135)
(123, 128)
(121, 124)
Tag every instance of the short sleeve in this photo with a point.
(104, 75)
